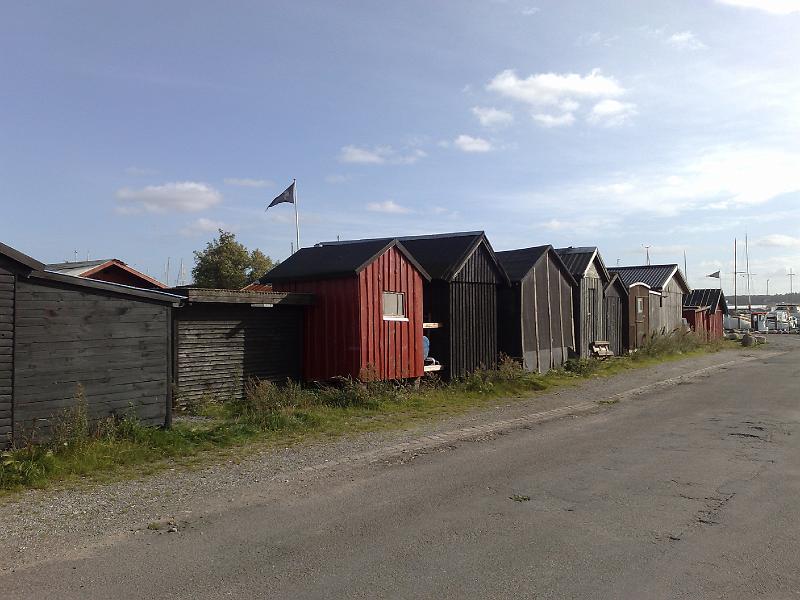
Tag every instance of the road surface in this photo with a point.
(691, 491)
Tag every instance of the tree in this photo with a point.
(228, 264)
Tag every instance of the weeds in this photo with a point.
(266, 411)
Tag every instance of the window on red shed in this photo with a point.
(394, 305)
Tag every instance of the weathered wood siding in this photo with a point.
(547, 317)
(6, 354)
(638, 322)
(666, 309)
(220, 346)
(117, 348)
(590, 313)
(615, 315)
(390, 349)
(473, 316)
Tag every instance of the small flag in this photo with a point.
(714, 275)
(286, 196)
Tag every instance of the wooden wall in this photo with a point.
(590, 314)
(666, 311)
(390, 349)
(6, 353)
(118, 348)
(638, 323)
(218, 347)
(616, 311)
(473, 316)
(547, 319)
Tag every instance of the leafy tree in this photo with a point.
(228, 264)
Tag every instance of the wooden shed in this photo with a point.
(592, 278)
(460, 300)
(366, 319)
(667, 288)
(535, 322)
(58, 331)
(711, 305)
(111, 270)
(615, 299)
(638, 315)
(225, 337)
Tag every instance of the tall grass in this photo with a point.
(78, 446)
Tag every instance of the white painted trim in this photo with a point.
(399, 319)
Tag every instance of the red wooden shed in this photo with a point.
(704, 310)
(366, 320)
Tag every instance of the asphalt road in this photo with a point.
(692, 491)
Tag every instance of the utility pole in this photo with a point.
(735, 275)
(647, 253)
(767, 288)
(791, 280)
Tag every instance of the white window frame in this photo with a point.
(394, 316)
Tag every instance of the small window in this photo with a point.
(394, 305)
(639, 305)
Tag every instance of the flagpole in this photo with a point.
(296, 216)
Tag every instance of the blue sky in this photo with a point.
(135, 130)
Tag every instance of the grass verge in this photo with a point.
(285, 414)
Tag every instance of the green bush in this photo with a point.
(582, 367)
(661, 343)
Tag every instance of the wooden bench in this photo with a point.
(601, 349)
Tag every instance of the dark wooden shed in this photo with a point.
(366, 320)
(59, 331)
(111, 270)
(592, 278)
(615, 298)
(535, 320)
(460, 300)
(224, 338)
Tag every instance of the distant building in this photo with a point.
(110, 270)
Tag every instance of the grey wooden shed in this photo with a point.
(667, 288)
(58, 331)
(535, 314)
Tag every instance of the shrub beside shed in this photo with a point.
(225, 337)
(366, 319)
(535, 312)
(58, 331)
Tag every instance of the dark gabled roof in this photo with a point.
(518, 263)
(617, 280)
(578, 259)
(335, 260)
(20, 258)
(656, 276)
(114, 288)
(711, 297)
(442, 255)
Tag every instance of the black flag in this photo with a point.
(286, 196)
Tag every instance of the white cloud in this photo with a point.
(379, 155)
(492, 117)
(551, 89)
(596, 38)
(467, 143)
(685, 40)
(337, 178)
(546, 120)
(775, 7)
(247, 182)
(202, 226)
(778, 240)
(611, 113)
(529, 11)
(186, 196)
(388, 206)
(140, 171)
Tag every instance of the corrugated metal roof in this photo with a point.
(335, 260)
(656, 276)
(706, 297)
(577, 260)
(77, 267)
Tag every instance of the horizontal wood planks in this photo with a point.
(221, 346)
(116, 348)
(6, 354)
